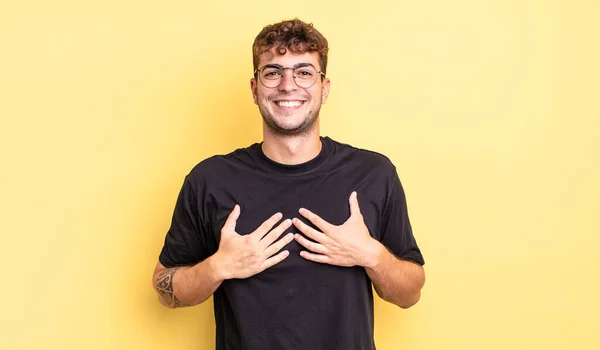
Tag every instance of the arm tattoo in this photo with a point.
(164, 287)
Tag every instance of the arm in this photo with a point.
(396, 281)
(237, 257)
(186, 285)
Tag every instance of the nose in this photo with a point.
(287, 81)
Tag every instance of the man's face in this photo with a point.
(289, 109)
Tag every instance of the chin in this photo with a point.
(290, 129)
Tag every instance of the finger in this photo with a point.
(315, 219)
(310, 232)
(323, 259)
(274, 260)
(229, 225)
(272, 236)
(312, 246)
(266, 226)
(354, 207)
(277, 246)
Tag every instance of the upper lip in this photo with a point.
(289, 99)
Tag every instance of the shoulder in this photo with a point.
(363, 157)
(220, 165)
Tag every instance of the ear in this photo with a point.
(254, 87)
(325, 90)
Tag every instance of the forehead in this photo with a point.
(289, 59)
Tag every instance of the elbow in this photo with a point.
(161, 298)
(404, 301)
(413, 295)
(160, 294)
(164, 303)
(410, 301)
(168, 299)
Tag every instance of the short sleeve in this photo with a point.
(185, 242)
(397, 233)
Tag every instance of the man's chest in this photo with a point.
(260, 197)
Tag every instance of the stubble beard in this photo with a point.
(304, 128)
(307, 125)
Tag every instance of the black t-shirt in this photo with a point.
(296, 304)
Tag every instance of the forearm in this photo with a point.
(187, 285)
(396, 281)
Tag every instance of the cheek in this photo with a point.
(264, 100)
(261, 96)
(317, 94)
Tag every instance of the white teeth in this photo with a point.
(289, 103)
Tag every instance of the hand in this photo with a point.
(349, 244)
(244, 256)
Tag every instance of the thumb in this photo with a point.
(354, 207)
(232, 219)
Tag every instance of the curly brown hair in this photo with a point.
(294, 35)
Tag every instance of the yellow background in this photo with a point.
(489, 109)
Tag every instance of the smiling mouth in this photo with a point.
(289, 104)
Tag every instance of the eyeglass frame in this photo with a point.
(299, 65)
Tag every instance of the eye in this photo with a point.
(304, 73)
(271, 73)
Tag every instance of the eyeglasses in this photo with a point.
(305, 75)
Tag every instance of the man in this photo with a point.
(275, 231)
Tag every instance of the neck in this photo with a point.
(291, 150)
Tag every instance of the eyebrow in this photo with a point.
(297, 65)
